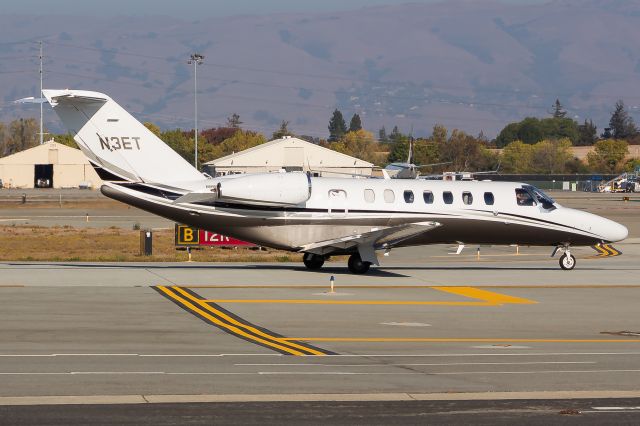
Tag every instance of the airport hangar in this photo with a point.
(50, 165)
(289, 154)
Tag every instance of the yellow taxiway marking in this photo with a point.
(454, 340)
(487, 298)
(418, 286)
(350, 302)
(234, 328)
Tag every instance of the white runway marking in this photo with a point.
(336, 356)
(415, 365)
(616, 408)
(311, 373)
(407, 324)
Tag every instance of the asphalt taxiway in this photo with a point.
(460, 326)
(257, 340)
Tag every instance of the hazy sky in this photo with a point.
(195, 8)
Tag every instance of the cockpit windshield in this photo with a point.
(537, 194)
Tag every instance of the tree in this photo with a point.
(20, 135)
(337, 126)
(282, 131)
(355, 124)
(395, 134)
(65, 139)
(234, 121)
(464, 152)
(216, 135)
(517, 157)
(425, 152)
(621, 124)
(181, 143)
(558, 110)
(399, 149)
(588, 133)
(439, 133)
(241, 140)
(360, 144)
(3, 140)
(382, 135)
(608, 155)
(532, 130)
(153, 128)
(551, 156)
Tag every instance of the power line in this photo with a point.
(115, 51)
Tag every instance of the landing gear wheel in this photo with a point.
(356, 265)
(313, 262)
(567, 262)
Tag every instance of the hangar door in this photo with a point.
(43, 176)
(293, 159)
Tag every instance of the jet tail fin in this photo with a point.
(115, 141)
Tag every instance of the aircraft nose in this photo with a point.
(615, 232)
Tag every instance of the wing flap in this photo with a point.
(376, 238)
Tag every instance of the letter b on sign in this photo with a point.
(186, 236)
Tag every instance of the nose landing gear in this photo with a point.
(567, 260)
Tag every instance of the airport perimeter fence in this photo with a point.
(574, 182)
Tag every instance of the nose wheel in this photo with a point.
(567, 261)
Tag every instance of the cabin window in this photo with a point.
(523, 198)
(369, 195)
(467, 198)
(428, 197)
(488, 198)
(389, 196)
(447, 197)
(408, 196)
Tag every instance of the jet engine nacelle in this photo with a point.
(269, 189)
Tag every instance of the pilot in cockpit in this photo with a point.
(524, 198)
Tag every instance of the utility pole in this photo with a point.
(195, 59)
(40, 96)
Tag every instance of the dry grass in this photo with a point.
(29, 243)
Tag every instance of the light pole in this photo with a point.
(195, 59)
(41, 127)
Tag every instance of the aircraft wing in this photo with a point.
(368, 242)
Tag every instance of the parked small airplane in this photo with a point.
(408, 170)
(319, 217)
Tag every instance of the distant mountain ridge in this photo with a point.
(468, 65)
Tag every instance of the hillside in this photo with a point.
(469, 65)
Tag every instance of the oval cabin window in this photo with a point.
(369, 195)
(408, 196)
(447, 197)
(488, 198)
(389, 196)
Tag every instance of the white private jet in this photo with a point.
(319, 217)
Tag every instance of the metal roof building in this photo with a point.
(290, 154)
(50, 165)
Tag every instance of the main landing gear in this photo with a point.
(357, 265)
(567, 260)
(313, 262)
